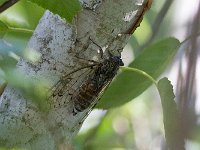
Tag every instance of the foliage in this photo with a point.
(2, 1)
(64, 8)
(171, 116)
(3, 26)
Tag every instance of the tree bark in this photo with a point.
(64, 47)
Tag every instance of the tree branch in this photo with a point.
(59, 44)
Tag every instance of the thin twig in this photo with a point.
(7, 4)
(156, 25)
(19, 30)
(190, 36)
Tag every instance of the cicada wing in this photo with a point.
(93, 104)
(67, 85)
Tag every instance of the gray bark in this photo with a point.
(109, 24)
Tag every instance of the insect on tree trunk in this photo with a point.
(64, 48)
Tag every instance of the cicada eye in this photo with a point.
(121, 63)
(117, 59)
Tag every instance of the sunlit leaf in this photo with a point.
(170, 115)
(128, 85)
(64, 8)
(3, 28)
(23, 14)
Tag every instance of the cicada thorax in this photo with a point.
(88, 93)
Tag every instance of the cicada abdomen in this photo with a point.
(88, 94)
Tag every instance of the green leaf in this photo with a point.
(3, 26)
(64, 8)
(2, 2)
(128, 85)
(26, 14)
(171, 117)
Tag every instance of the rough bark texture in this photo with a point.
(21, 122)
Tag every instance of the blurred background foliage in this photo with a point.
(19, 20)
(138, 124)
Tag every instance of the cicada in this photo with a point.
(87, 94)
(98, 76)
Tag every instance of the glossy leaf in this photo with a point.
(128, 85)
(64, 8)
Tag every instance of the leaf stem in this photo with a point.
(140, 72)
(190, 36)
(2, 87)
(20, 30)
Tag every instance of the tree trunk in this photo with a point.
(64, 48)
